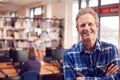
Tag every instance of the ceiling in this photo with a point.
(12, 5)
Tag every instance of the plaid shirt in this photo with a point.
(92, 66)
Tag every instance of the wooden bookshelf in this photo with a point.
(26, 32)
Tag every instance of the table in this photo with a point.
(6, 65)
(2, 75)
(48, 68)
(9, 69)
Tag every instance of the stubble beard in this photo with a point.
(88, 42)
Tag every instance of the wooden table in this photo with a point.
(6, 65)
(2, 75)
(48, 68)
(9, 69)
(10, 72)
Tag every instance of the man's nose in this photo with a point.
(86, 27)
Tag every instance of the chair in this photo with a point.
(4, 58)
(30, 75)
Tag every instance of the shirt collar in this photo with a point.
(97, 45)
(83, 48)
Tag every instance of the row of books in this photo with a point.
(7, 44)
(28, 23)
(44, 35)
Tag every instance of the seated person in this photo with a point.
(32, 63)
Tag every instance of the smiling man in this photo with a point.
(90, 59)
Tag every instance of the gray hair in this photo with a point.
(86, 10)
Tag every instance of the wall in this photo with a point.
(21, 12)
(5, 13)
(55, 9)
(68, 24)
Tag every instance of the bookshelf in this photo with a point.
(26, 32)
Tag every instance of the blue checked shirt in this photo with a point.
(92, 66)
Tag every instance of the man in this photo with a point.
(90, 59)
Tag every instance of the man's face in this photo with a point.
(87, 27)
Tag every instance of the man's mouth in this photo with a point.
(87, 33)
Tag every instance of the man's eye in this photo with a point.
(82, 25)
(90, 24)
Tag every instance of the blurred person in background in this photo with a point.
(33, 63)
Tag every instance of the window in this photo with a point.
(106, 2)
(108, 31)
(36, 12)
(83, 4)
(93, 3)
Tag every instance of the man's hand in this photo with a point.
(79, 78)
(112, 69)
(56, 63)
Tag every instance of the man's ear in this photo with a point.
(77, 28)
(97, 26)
